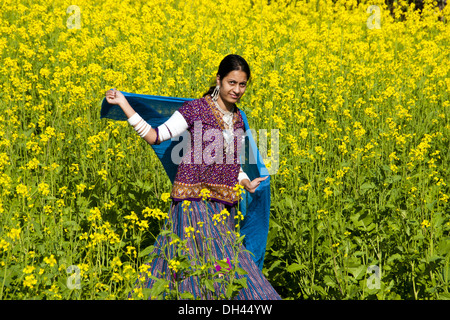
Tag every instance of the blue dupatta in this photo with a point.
(255, 207)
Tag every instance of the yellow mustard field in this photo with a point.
(359, 178)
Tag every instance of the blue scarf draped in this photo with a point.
(254, 206)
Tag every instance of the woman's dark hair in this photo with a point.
(231, 62)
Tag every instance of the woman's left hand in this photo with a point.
(251, 186)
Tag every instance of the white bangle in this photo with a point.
(134, 119)
(140, 125)
(145, 130)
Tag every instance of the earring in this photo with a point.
(215, 93)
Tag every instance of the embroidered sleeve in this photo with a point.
(190, 112)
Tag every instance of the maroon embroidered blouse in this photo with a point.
(207, 165)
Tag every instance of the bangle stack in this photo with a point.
(140, 125)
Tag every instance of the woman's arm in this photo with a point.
(174, 126)
(251, 186)
(248, 185)
(114, 96)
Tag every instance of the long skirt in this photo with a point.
(209, 229)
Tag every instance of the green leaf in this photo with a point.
(274, 265)
(241, 271)
(146, 292)
(367, 186)
(187, 296)
(209, 284)
(357, 272)
(230, 289)
(295, 267)
(444, 296)
(242, 282)
(393, 179)
(159, 287)
(444, 246)
(329, 281)
(146, 251)
(223, 264)
(434, 259)
(114, 189)
(319, 289)
(395, 256)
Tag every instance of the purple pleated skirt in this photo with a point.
(211, 237)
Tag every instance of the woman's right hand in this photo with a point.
(114, 96)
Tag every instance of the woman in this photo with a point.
(210, 171)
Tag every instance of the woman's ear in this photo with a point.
(218, 80)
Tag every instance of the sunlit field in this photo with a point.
(360, 182)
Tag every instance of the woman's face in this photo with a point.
(232, 86)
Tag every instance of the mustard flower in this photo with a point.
(185, 205)
(165, 197)
(29, 281)
(425, 224)
(205, 194)
(239, 189)
(51, 261)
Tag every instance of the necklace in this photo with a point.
(228, 133)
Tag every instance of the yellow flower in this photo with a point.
(128, 271)
(173, 265)
(321, 213)
(303, 133)
(133, 217)
(145, 268)
(185, 205)
(165, 197)
(221, 216)
(305, 187)
(239, 189)
(103, 173)
(116, 277)
(205, 194)
(51, 261)
(239, 216)
(74, 168)
(319, 150)
(154, 213)
(47, 209)
(14, 233)
(4, 245)
(29, 281)
(28, 269)
(425, 224)
(143, 224)
(22, 189)
(328, 192)
(131, 251)
(33, 164)
(188, 231)
(81, 187)
(94, 214)
(116, 262)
